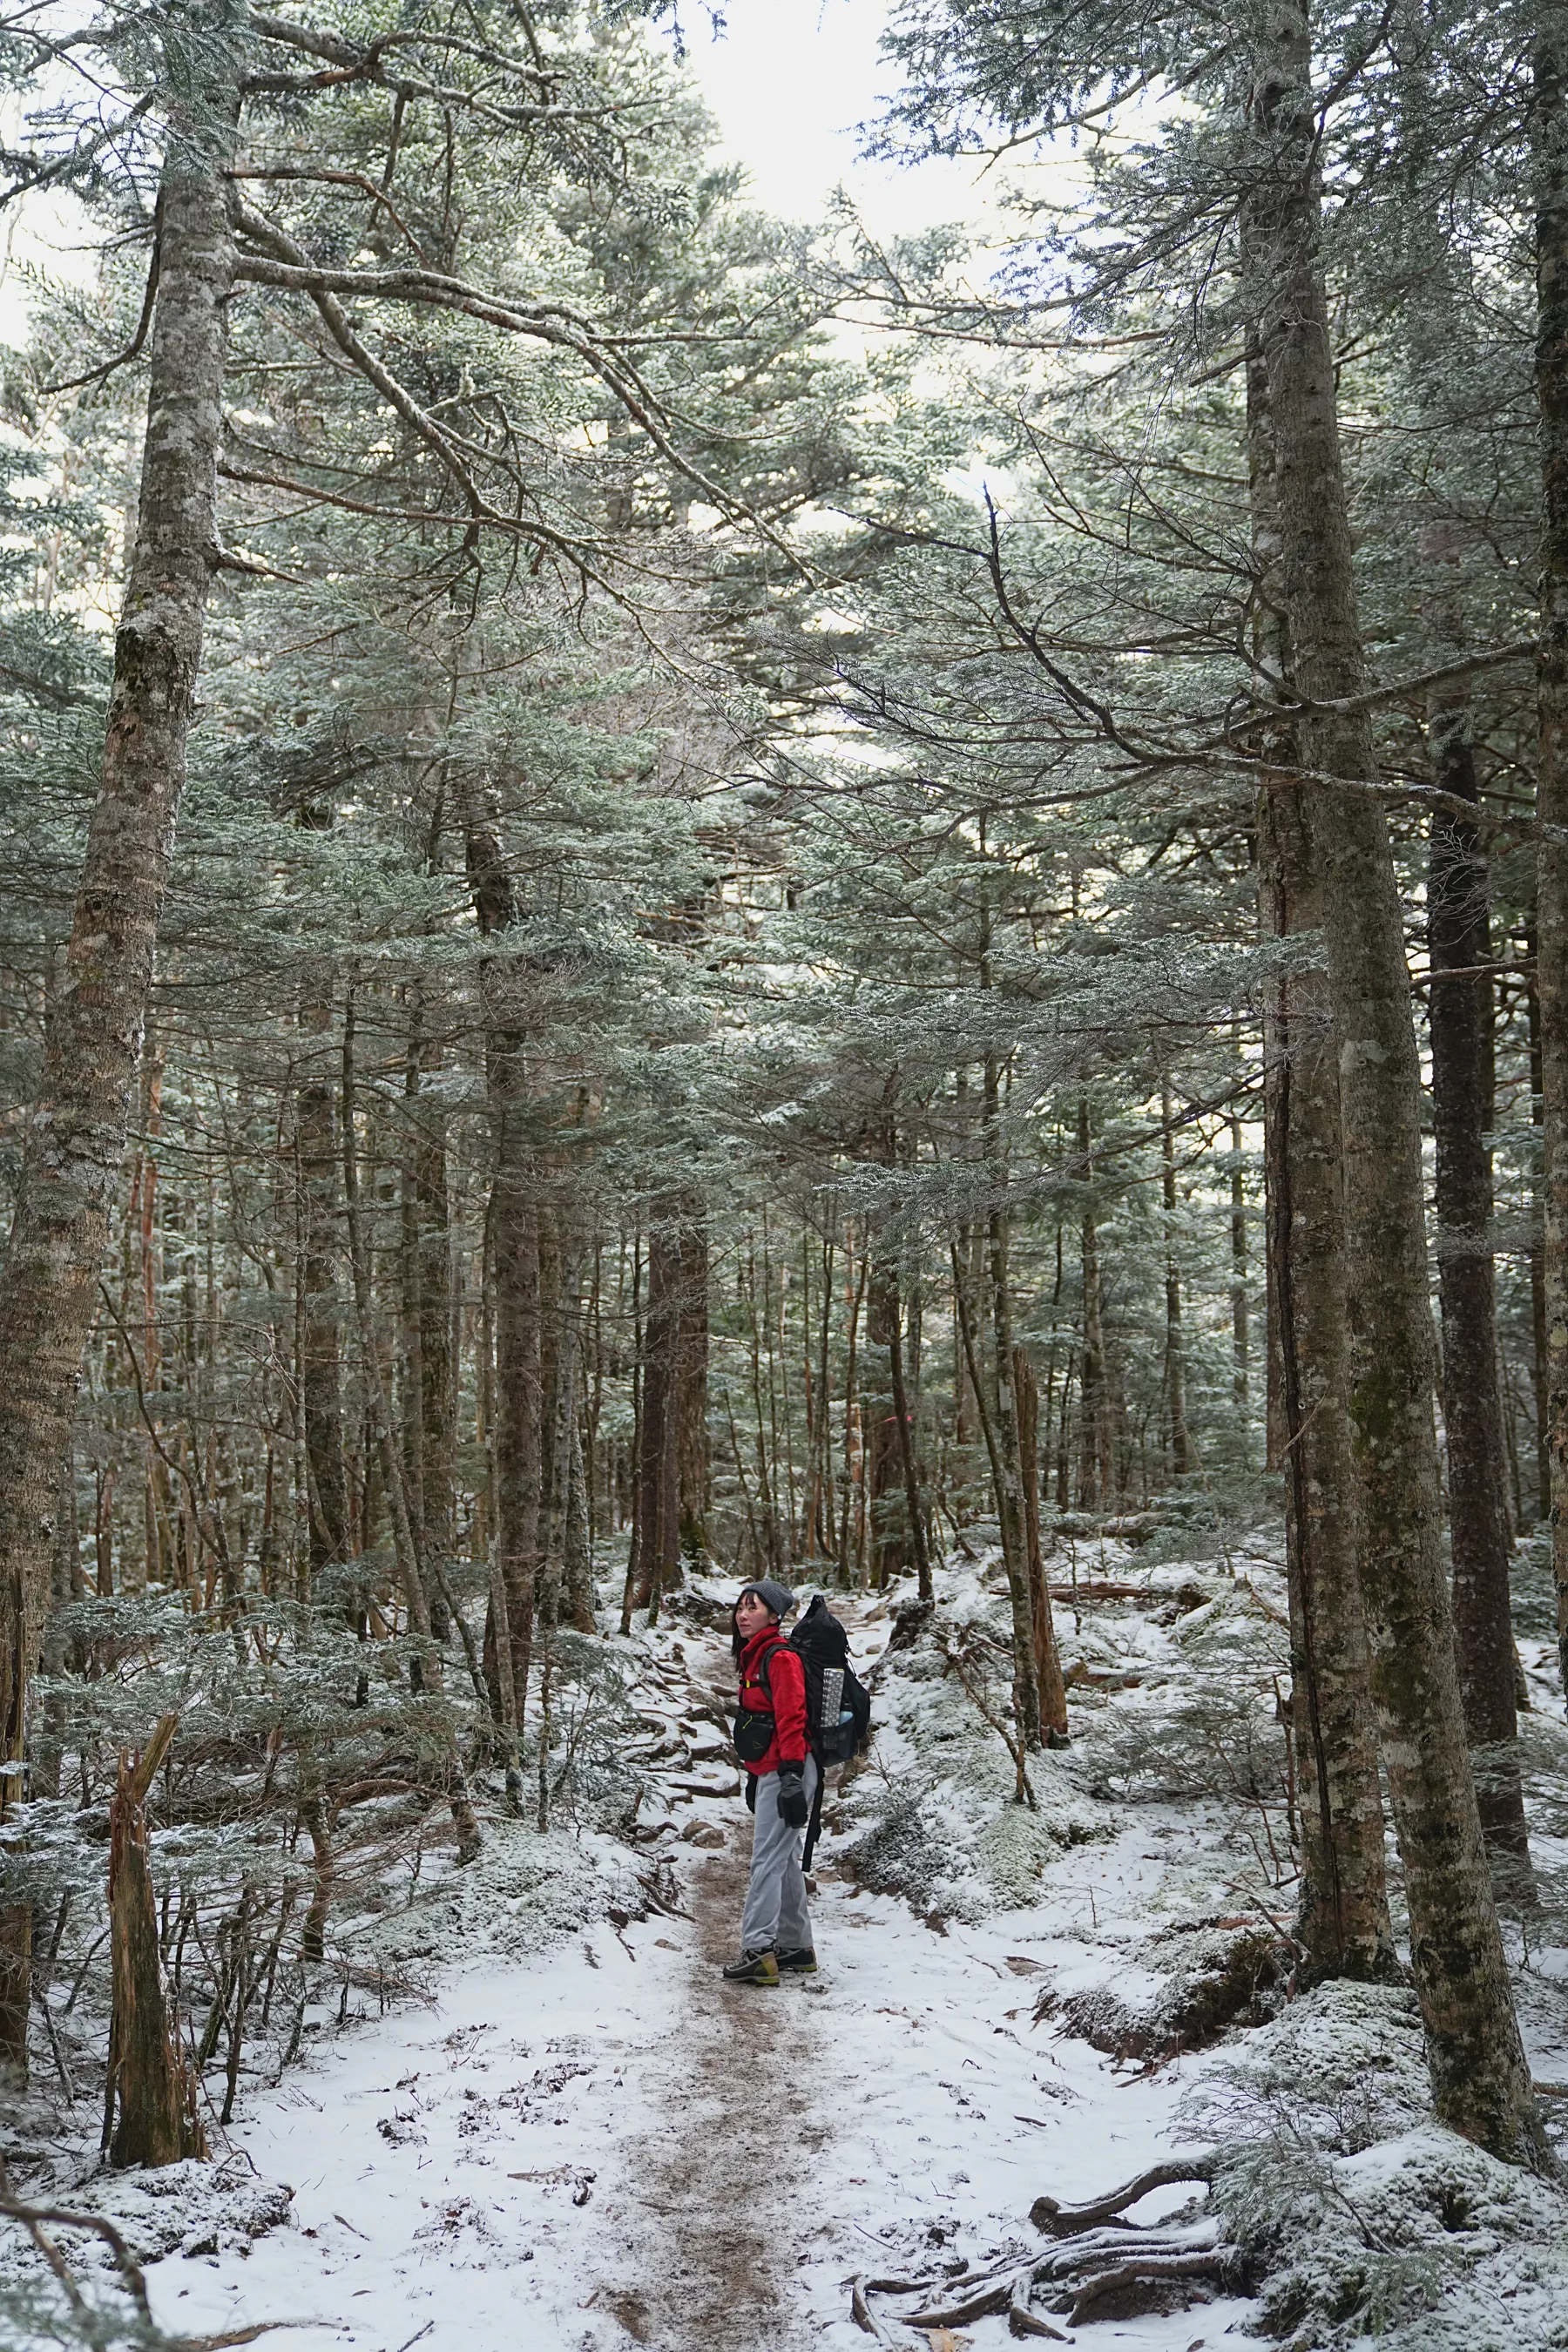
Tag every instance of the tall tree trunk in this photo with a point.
(632, 1453)
(1175, 1370)
(1002, 1399)
(565, 1386)
(518, 1438)
(1049, 1684)
(75, 1130)
(413, 1573)
(1458, 935)
(904, 1423)
(497, 1648)
(1540, 1376)
(1025, 1688)
(579, 1551)
(658, 1451)
(1343, 1913)
(520, 1395)
(1010, 1499)
(852, 1510)
(67, 1586)
(883, 1469)
(1097, 1469)
(1551, 125)
(1480, 2078)
(1342, 1910)
(691, 1380)
(429, 1415)
(563, 1304)
(1240, 1346)
(552, 1340)
(316, 1163)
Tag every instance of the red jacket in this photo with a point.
(787, 1684)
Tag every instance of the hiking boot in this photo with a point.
(753, 1967)
(798, 1964)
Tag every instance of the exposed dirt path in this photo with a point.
(724, 2161)
(726, 2157)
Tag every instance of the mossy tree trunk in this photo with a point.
(74, 1134)
(1342, 1917)
(514, 1225)
(1458, 935)
(1481, 2077)
(1551, 125)
(1343, 1911)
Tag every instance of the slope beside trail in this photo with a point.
(598, 2144)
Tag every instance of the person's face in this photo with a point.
(752, 1614)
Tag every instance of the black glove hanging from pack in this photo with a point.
(792, 1806)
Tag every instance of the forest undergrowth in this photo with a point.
(1130, 1910)
(1329, 2189)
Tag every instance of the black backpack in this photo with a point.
(837, 1703)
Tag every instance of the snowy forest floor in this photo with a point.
(565, 2134)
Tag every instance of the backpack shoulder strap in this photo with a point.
(766, 1680)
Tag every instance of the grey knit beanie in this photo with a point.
(770, 1593)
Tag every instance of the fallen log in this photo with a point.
(1101, 1587)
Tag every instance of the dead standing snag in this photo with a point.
(149, 2077)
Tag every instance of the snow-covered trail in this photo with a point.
(601, 2144)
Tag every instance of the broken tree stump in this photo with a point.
(149, 2078)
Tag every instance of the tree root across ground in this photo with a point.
(1100, 2267)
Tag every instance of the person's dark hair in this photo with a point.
(736, 1645)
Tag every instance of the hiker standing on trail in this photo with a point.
(771, 1742)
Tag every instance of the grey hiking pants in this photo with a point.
(775, 1917)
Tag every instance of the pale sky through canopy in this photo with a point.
(789, 80)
